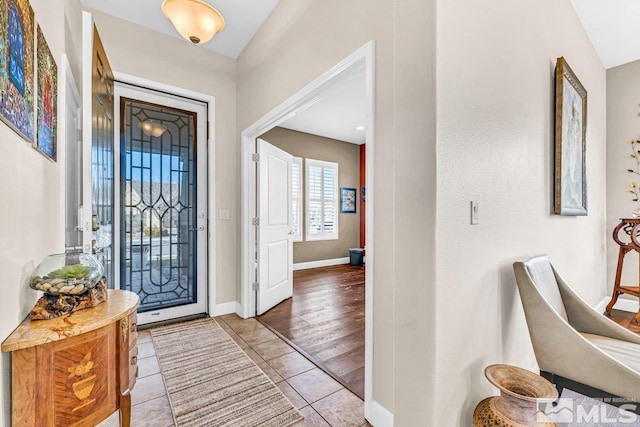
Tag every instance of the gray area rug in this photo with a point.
(210, 381)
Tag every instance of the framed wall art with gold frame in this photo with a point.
(570, 196)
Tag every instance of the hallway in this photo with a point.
(322, 401)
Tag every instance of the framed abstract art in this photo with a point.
(47, 114)
(348, 200)
(17, 76)
(570, 187)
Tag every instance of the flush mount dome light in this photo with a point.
(151, 128)
(195, 20)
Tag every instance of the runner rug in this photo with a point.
(210, 381)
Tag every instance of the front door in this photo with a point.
(98, 155)
(163, 199)
(275, 248)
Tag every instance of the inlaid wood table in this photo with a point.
(77, 369)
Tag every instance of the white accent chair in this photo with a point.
(576, 347)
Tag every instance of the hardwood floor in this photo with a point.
(625, 318)
(325, 321)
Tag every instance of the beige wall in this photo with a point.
(31, 220)
(140, 52)
(623, 125)
(495, 145)
(301, 40)
(496, 64)
(347, 156)
(73, 39)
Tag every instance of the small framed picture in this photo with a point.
(47, 100)
(17, 76)
(571, 142)
(348, 200)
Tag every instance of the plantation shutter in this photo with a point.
(296, 173)
(322, 200)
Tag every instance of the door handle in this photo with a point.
(201, 228)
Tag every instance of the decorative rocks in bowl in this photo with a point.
(67, 274)
(70, 282)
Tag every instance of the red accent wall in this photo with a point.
(363, 183)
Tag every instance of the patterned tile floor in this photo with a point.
(322, 401)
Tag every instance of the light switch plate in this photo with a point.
(475, 212)
(223, 214)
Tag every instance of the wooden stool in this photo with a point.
(631, 226)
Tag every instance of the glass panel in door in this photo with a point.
(102, 160)
(159, 205)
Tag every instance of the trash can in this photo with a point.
(355, 256)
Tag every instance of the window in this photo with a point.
(297, 199)
(322, 200)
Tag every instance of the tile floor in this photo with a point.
(322, 400)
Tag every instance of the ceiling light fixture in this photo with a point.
(195, 20)
(151, 128)
(360, 128)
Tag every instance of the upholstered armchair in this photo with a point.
(573, 343)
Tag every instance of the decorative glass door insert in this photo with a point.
(162, 216)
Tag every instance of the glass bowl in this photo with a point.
(67, 274)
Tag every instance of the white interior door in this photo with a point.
(275, 247)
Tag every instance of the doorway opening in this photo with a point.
(252, 257)
(324, 318)
(163, 200)
(175, 194)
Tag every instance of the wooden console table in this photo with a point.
(77, 369)
(631, 227)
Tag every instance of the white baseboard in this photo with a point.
(622, 304)
(238, 308)
(321, 263)
(224, 308)
(379, 416)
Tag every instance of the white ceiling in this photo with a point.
(338, 114)
(242, 19)
(613, 27)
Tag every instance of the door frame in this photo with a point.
(87, 65)
(211, 199)
(362, 58)
(71, 100)
(123, 90)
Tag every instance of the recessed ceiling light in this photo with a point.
(360, 128)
